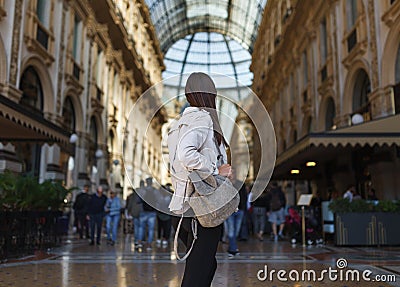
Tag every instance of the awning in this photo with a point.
(20, 124)
(325, 145)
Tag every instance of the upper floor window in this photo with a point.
(330, 114)
(305, 69)
(351, 13)
(69, 115)
(76, 48)
(31, 87)
(323, 41)
(42, 11)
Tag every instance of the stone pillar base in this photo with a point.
(9, 161)
(54, 172)
(83, 179)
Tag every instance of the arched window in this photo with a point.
(397, 67)
(93, 132)
(69, 115)
(32, 92)
(330, 114)
(362, 88)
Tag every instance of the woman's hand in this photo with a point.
(225, 170)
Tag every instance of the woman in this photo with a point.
(192, 145)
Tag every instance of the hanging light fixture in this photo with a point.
(99, 153)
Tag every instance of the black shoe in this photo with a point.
(112, 243)
(98, 243)
(91, 242)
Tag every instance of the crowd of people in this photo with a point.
(150, 224)
(268, 212)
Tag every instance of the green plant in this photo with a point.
(343, 205)
(24, 192)
(387, 206)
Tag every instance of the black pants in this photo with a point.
(164, 228)
(201, 264)
(96, 221)
(82, 224)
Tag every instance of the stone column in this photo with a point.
(8, 159)
(53, 169)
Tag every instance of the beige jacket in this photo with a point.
(191, 146)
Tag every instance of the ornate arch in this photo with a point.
(45, 79)
(79, 116)
(99, 126)
(390, 49)
(347, 104)
(326, 107)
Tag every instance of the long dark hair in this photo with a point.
(200, 92)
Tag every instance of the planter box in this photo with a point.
(368, 229)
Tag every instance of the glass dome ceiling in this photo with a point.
(238, 19)
(209, 53)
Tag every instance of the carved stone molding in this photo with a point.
(382, 102)
(16, 42)
(392, 13)
(3, 12)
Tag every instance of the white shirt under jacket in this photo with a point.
(191, 146)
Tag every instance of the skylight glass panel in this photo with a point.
(212, 9)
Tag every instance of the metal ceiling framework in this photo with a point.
(175, 19)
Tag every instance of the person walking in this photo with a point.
(235, 220)
(113, 210)
(81, 208)
(164, 219)
(276, 216)
(96, 213)
(134, 207)
(192, 145)
(260, 207)
(148, 216)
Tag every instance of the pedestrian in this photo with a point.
(351, 190)
(259, 211)
(192, 145)
(276, 215)
(96, 213)
(148, 216)
(235, 220)
(164, 219)
(113, 211)
(81, 211)
(134, 207)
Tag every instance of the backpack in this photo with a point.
(275, 203)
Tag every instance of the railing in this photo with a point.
(21, 233)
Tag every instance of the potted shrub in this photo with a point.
(363, 222)
(30, 213)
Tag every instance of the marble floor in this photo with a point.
(76, 264)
